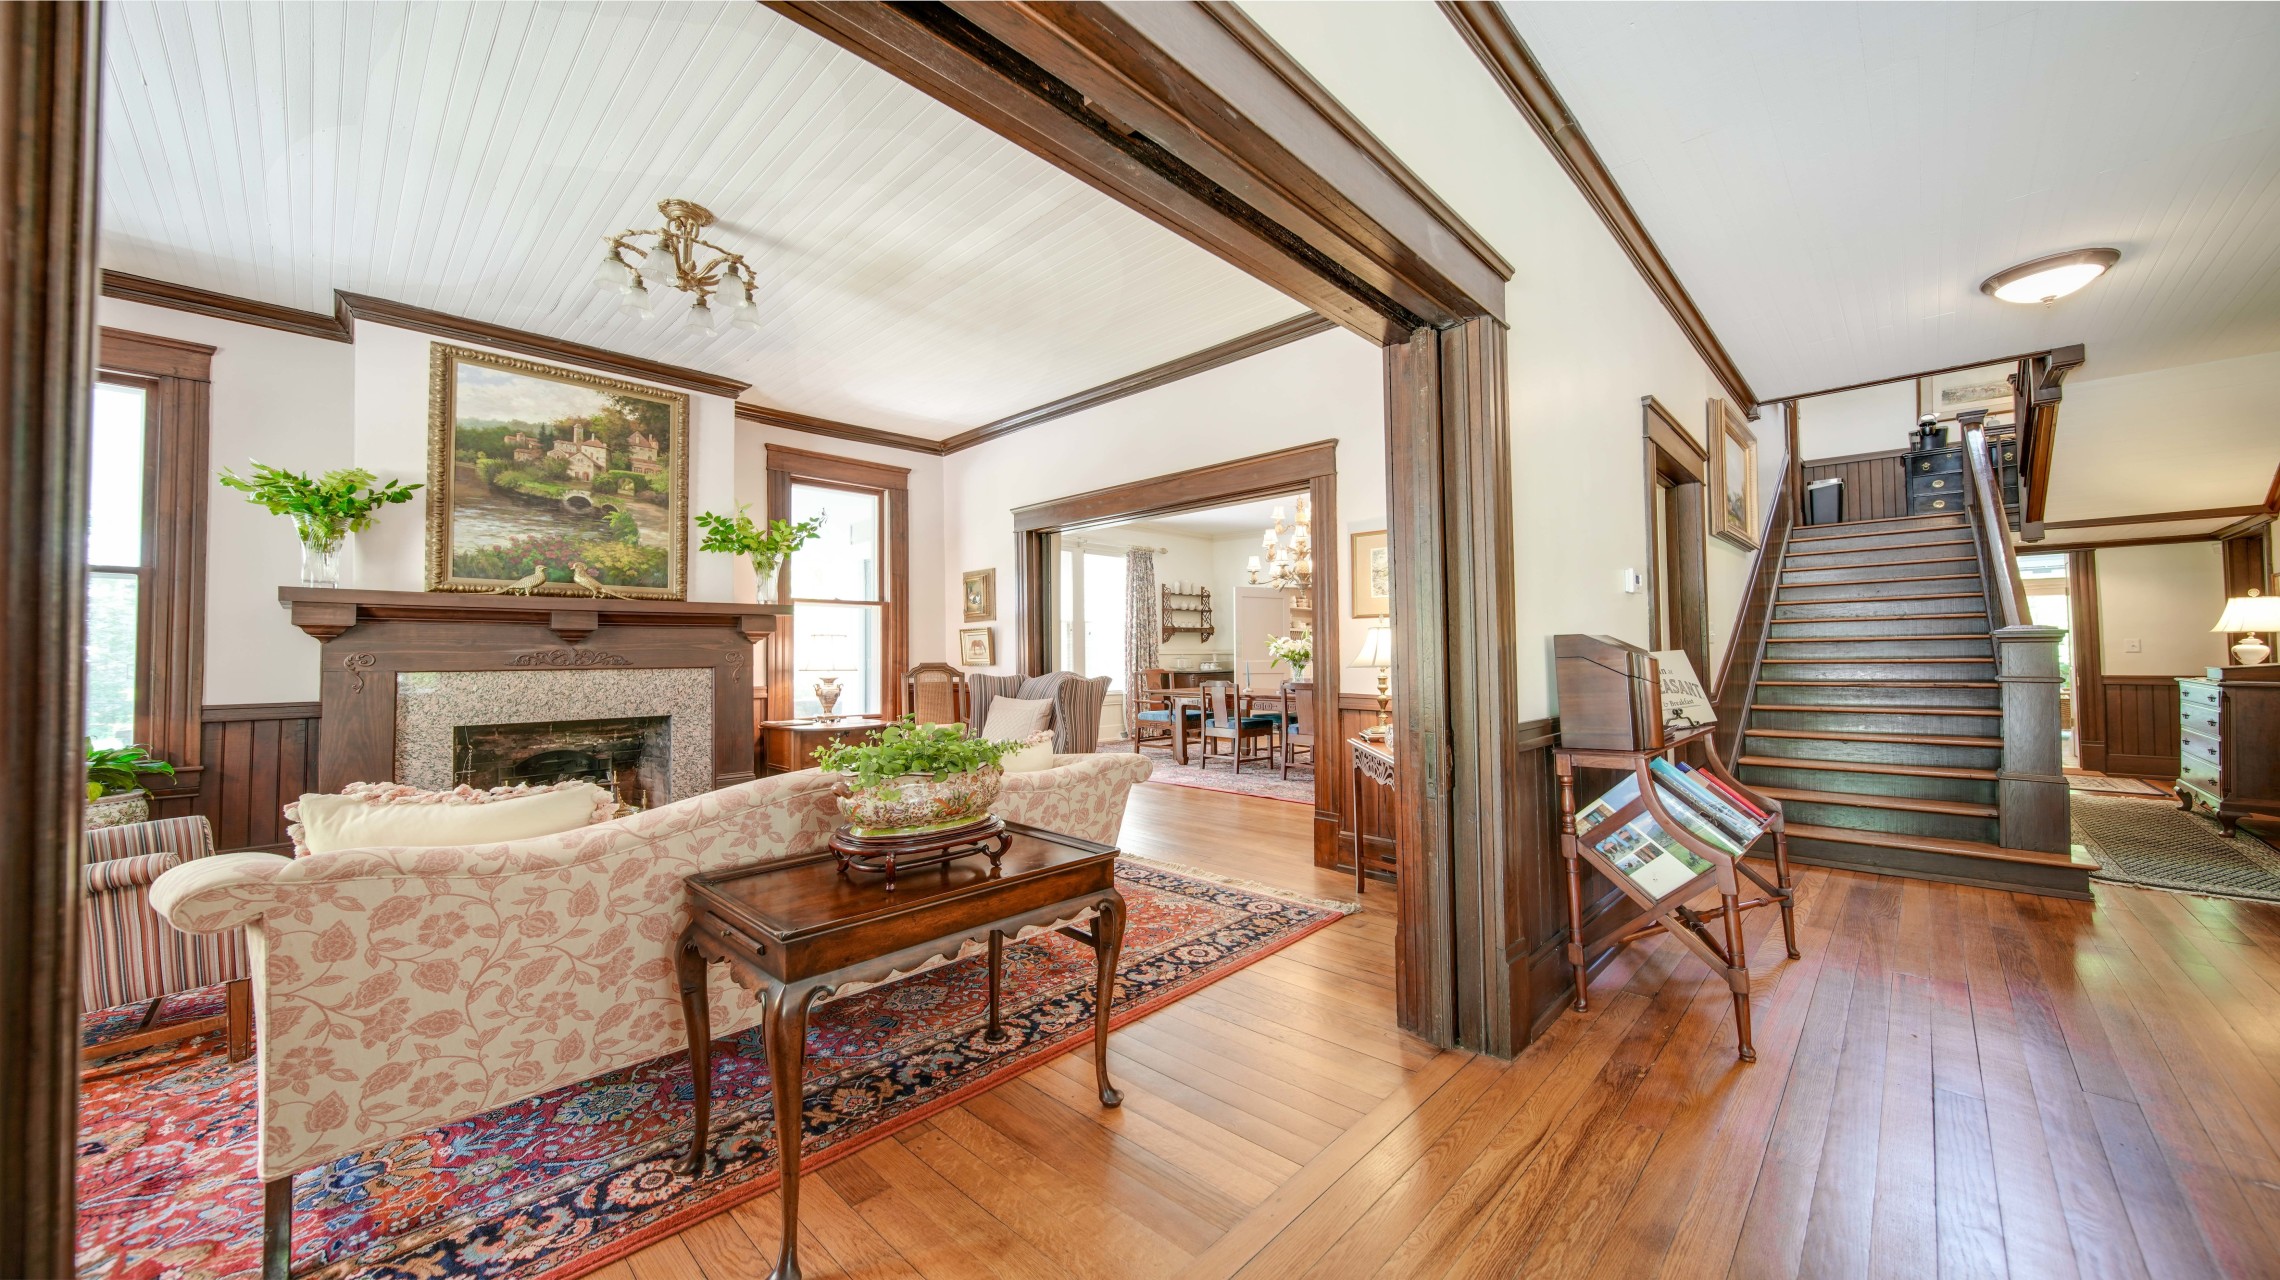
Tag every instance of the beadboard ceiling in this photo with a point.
(1248, 519)
(918, 273)
(1832, 181)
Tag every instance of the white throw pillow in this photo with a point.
(1017, 719)
(367, 821)
(1036, 755)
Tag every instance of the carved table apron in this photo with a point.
(796, 930)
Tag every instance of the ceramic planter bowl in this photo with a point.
(119, 810)
(916, 802)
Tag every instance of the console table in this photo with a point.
(787, 746)
(794, 930)
(1373, 764)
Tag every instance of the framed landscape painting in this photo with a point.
(539, 474)
(1372, 570)
(1733, 476)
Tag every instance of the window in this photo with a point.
(1092, 614)
(848, 588)
(147, 486)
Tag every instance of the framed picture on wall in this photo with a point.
(981, 595)
(1949, 394)
(977, 646)
(538, 475)
(1372, 570)
(1733, 476)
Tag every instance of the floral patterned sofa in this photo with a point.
(400, 989)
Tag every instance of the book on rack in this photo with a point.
(1714, 782)
(1645, 853)
(1695, 787)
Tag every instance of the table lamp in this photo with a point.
(2250, 614)
(828, 653)
(1377, 651)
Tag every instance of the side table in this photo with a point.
(787, 746)
(794, 930)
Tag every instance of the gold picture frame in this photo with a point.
(1734, 511)
(977, 646)
(980, 592)
(1371, 574)
(613, 505)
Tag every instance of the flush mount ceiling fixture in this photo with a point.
(2049, 279)
(676, 259)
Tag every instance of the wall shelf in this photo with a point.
(1187, 613)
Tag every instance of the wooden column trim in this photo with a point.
(2089, 660)
(49, 80)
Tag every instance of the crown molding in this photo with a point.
(763, 415)
(1497, 43)
(2157, 517)
(1275, 335)
(402, 315)
(223, 306)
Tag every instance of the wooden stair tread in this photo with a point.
(1787, 567)
(1968, 635)
(1814, 530)
(1867, 709)
(1931, 844)
(1878, 662)
(1884, 533)
(1880, 617)
(1898, 546)
(1859, 800)
(1864, 766)
(1874, 684)
(1863, 582)
(1915, 739)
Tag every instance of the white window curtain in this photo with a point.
(1141, 620)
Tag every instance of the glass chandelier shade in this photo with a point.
(676, 256)
(1288, 552)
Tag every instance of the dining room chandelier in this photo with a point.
(677, 256)
(1288, 552)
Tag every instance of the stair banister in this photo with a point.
(2030, 782)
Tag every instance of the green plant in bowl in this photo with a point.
(911, 777)
(115, 771)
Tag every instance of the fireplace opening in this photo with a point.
(630, 756)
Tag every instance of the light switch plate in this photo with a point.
(1633, 581)
(2133, 646)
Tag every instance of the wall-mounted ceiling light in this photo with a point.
(2049, 279)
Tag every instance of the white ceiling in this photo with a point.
(1832, 181)
(918, 273)
(1249, 519)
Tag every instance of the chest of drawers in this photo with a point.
(1935, 480)
(2228, 733)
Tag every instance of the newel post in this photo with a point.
(2031, 781)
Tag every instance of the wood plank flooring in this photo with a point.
(1952, 1082)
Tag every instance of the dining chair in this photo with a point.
(1297, 723)
(1152, 711)
(936, 693)
(1227, 723)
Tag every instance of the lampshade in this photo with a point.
(1377, 648)
(2250, 613)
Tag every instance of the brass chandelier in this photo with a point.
(1289, 551)
(676, 258)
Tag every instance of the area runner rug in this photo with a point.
(1262, 780)
(2163, 847)
(570, 1181)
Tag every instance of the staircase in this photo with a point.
(1877, 714)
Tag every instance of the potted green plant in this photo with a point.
(765, 546)
(910, 777)
(1298, 651)
(324, 511)
(115, 796)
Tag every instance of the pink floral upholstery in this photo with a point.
(400, 989)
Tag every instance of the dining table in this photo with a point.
(1179, 699)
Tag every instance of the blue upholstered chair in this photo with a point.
(1152, 712)
(1246, 737)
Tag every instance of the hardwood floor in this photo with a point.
(1952, 1082)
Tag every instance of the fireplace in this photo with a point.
(629, 756)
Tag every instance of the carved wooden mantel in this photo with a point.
(370, 637)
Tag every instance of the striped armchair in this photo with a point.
(1076, 705)
(131, 954)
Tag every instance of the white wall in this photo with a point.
(2164, 598)
(1867, 420)
(2190, 438)
(1327, 387)
(1588, 338)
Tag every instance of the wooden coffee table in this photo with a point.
(794, 930)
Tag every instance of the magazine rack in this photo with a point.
(1669, 913)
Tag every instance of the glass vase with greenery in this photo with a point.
(766, 546)
(911, 777)
(1297, 651)
(324, 511)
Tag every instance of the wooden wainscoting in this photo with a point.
(2141, 726)
(259, 756)
(1876, 484)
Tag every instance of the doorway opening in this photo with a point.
(2050, 603)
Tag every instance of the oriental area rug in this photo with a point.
(574, 1179)
(1258, 778)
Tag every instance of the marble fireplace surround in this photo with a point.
(553, 656)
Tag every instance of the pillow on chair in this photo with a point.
(379, 814)
(1016, 719)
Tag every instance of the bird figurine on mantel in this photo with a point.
(584, 579)
(525, 584)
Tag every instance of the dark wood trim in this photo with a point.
(223, 306)
(762, 415)
(171, 622)
(1876, 455)
(2041, 548)
(2038, 434)
(1281, 333)
(1795, 471)
(2158, 517)
(2272, 493)
(2088, 644)
(403, 315)
(50, 82)
(1488, 29)
(1215, 484)
(1673, 458)
(1753, 616)
(225, 712)
(2243, 527)
(787, 466)
(1911, 377)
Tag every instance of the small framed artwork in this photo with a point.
(1945, 395)
(1733, 476)
(981, 595)
(977, 646)
(1372, 569)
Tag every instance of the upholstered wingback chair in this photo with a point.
(401, 989)
(130, 953)
(1076, 704)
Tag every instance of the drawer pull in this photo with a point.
(1939, 484)
(1923, 466)
(1939, 504)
